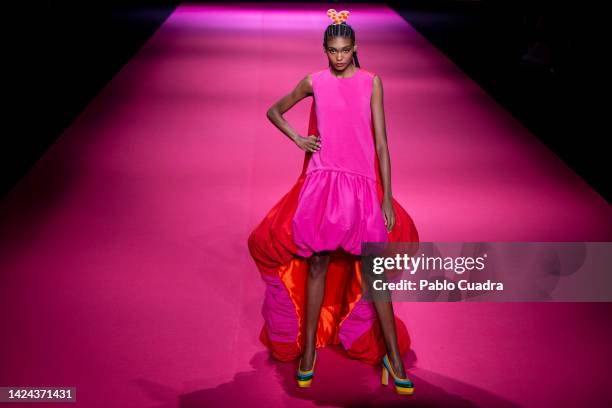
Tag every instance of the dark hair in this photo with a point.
(341, 30)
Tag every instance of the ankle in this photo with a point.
(307, 359)
(398, 366)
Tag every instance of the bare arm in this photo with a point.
(380, 137)
(276, 111)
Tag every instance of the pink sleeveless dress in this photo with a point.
(338, 206)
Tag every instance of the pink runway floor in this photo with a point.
(124, 264)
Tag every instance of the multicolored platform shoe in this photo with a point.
(403, 386)
(304, 378)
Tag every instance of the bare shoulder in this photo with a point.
(305, 84)
(308, 80)
(377, 81)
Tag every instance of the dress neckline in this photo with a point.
(352, 76)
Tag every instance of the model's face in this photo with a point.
(340, 52)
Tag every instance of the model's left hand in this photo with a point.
(388, 213)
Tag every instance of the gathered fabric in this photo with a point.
(343, 213)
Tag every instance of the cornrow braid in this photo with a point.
(341, 30)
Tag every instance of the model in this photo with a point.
(308, 246)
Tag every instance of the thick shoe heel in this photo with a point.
(385, 376)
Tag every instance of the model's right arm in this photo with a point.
(276, 111)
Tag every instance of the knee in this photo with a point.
(318, 263)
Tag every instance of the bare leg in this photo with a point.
(387, 323)
(315, 288)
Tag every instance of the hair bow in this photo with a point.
(337, 17)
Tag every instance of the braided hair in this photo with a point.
(341, 30)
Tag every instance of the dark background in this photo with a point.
(540, 60)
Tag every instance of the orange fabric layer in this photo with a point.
(342, 291)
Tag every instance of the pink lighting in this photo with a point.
(125, 270)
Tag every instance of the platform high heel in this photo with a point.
(304, 378)
(403, 386)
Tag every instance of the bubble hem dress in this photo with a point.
(338, 206)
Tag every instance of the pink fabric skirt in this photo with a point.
(337, 209)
